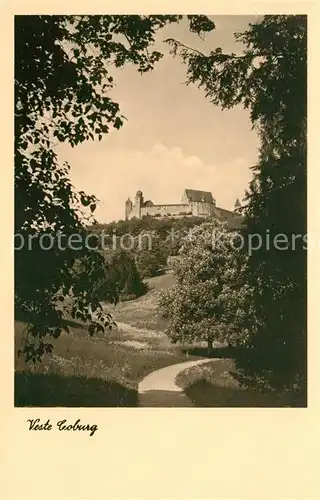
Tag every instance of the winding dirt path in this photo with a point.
(159, 389)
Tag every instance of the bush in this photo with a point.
(151, 255)
(122, 273)
(149, 262)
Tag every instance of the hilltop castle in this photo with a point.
(193, 203)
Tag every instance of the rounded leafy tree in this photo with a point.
(207, 302)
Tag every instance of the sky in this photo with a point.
(173, 139)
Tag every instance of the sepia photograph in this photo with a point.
(160, 225)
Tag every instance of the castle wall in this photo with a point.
(184, 209)
(163, 210)
(233, 219)
(133, 213)
(198, 209)
(184, 199)
(202, 209)
(128, 209)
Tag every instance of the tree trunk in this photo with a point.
(210, 346)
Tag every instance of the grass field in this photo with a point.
(104, 370)
(212, 385)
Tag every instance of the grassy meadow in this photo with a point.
(212, 385)
(103, 370)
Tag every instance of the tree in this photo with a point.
(206, 304)
(151, 254)
(122, 272)
(62, 77)
(269, 79)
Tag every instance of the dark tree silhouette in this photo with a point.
(270, 79)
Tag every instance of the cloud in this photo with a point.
(161, 172)
(199, 145)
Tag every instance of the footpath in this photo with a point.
(159, 389)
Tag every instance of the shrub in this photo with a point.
(122, 273)
(149, 262)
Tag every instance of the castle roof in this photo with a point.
(204, 196)
(148, 203)
(237, 203)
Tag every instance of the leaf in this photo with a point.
(118, 123)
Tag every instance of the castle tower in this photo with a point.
(138, 204)
(128, 208)
(237, 205)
